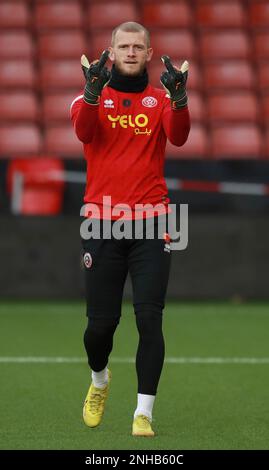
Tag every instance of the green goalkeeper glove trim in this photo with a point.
(174, 82)
(97, 77)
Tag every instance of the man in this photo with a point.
(123, 123)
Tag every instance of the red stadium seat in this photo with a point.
(166, 14)
(63, 141)
(174, 43)
(18, 106)
(61, 74)
(17, 74)
(228, 75)
(265, 108)
(99, 41)
(220, 14)
(57, 15)
(110, 14)
(196, 146)
(63, 45)
(40, 190)
(56, 107)
(259, 14)
(14, 14)
(261, 45)
(233, 107)
(236, 142)
(156, 67)
(263, 76)
(196, 106)
(16, 45)
(20, 139)
(225, 45)
(266, 149)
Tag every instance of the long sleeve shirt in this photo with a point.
(124, 140)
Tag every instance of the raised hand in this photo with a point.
(174, 81)
(97, 77)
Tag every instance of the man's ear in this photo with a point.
(149, 54)
(111, 54)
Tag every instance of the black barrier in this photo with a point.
(227, 256)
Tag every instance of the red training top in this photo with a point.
(124, 141)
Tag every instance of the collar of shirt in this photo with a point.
(128, 84)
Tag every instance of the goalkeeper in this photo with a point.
(124, 123)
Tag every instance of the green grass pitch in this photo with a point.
(199, 405)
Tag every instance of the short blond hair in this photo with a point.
(131, 27)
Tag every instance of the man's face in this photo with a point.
(130, 53)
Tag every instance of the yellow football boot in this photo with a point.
(94, 405)
(142, 426)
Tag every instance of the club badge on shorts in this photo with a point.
(87, 260)
(167, 240)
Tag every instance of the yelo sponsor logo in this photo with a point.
(127, 120)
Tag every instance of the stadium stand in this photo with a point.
(237, 141)
(233, 107)
(58, 15)
(20, 139)
(14, 15)
(220, 14)
(17, 74)
(36, 185)
(61, 45)
(166, 14)
(17, 106)
(197, 145)
(16, 45)
(108, 14)
(60, 140)
(226, 43)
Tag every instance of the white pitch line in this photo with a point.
(131, 360)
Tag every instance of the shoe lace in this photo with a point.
(96, 400)
(144, 421)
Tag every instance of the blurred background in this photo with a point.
(222, 172)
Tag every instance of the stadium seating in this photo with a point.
(16, 45)
(220, 14)
(41, 185)
(197, 106)
(174, 43)
(259, 14)
(228, 75)
(266, 149)
(62, 45)
(197, 145)
(225, 42)
(14, 14)
(265, 108)
(263, 76)
(233, 107)
(108, 14)
(56, 107)
(17, 106)
(61, 139)
(19, 74)
(61, 75)
(237, 141)
(225, 45)
(261, 45)
(20, 139)
(98, 41)
(166, 14)
(58, 15)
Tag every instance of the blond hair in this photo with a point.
(131, 27)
